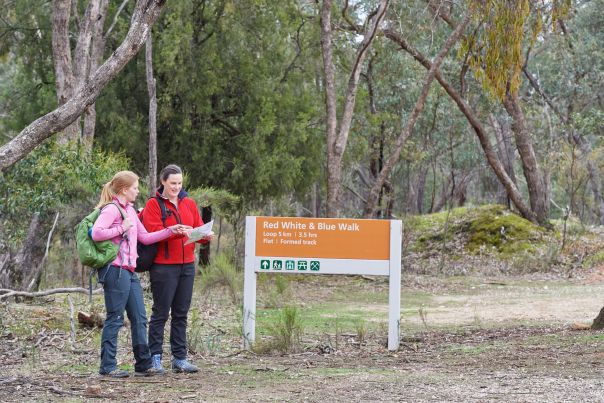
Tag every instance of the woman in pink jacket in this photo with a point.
(122, 289)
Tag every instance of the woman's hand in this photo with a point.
(180, 229)
(126, 224)
(210, 236)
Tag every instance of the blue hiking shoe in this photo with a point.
(183, 366)
(156, 364)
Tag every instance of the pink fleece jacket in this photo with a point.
(109, 226)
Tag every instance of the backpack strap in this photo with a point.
(122, 212)
(124, 234)
(164, 215)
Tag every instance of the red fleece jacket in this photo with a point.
(187, 213)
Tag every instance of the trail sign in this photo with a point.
(322, 246)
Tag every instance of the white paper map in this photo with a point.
(200, 232)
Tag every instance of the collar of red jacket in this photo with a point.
(181, 195)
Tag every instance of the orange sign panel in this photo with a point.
(329, 238)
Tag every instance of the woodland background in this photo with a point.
(478, 123)
(380, 109)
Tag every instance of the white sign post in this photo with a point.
(322, 246)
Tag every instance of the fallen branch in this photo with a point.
(72, 333)
(7, 293)
(60, 391)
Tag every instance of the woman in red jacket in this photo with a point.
(173, 269)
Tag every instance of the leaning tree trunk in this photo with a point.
(465, 108)
(19, 270)
(372, 197)
(537, 189)
(144, 16)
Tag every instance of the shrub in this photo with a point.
(223, 272)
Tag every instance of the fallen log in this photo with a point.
(7, 293)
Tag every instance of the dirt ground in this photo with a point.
(463, 339)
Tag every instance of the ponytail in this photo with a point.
(106, 195)
(120, 181)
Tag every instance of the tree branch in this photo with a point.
(7, 293)
(145, 14)
(465, 108)
(372, 198)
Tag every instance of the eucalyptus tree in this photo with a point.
(570, 97)
(337, 132)
(145, 13)
(497, 63)
(236, 99)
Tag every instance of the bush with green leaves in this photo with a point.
(54, 178)
(222, 272)
(285, 333)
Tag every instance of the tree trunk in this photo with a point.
(61, 52)
(376, 147)
(538, 195)
(204, 248)
(505, 154)
(338, 138)
(594, 173)
(372, 198)
(96, 57)
(145, 14)
(598, 322)
(152, 117)
(463, 106)
(22, 268)
(421, 188)
(583, 145)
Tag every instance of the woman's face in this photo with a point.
(131, 192)
(172, 185)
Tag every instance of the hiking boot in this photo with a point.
(183, 366)
(116, 373)
(156, 363)
(152, 371)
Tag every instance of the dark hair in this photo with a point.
(171, 169)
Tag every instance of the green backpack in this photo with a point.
(95, 254)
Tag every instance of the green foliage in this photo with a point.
(284, 333)
(237, 105)
(222, 201)
(54, 178)
(507, 26)
(223, 272)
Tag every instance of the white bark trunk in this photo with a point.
(152, 116)
(338, 138)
